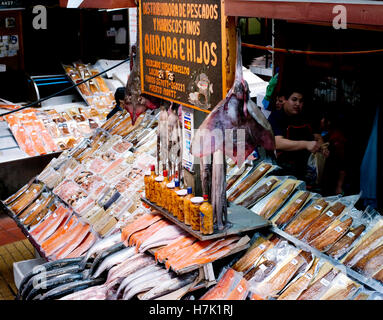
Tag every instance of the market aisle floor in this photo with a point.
(9, 231)
(14, 247)
(10, 253)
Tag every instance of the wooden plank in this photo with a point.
(361, 13)
(103, 4)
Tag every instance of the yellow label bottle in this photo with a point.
(206, 216)
(173, 198)
(168, 196)
(187, 203)
(180, 204)
(195, 212)
(163, 188)
(151, 183)
(157, 189)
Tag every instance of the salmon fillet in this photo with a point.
(89, 240)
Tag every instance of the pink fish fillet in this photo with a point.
(70, 246)
(84, 246)
(50, 229)
(54, 216)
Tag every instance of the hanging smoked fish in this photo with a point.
(236, 117)
(135, 102)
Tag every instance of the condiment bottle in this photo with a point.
(180, 204)
(187, 204)
(168, 196)
(206, 216)
(151, 182)
(163, 188)
(157, 189)
(146, 184)
(195, 213)
(173, 198)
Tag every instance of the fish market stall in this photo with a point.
(147, 207)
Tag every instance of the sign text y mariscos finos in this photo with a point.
(185, 49)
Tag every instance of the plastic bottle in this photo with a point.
(180, 204)
(187, 204)
(206, 216)
(157, 189)
(195, 212)
(163, 187)
(168, 196)
(173, 198)
(151, 183)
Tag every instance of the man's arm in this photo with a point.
(292, 145)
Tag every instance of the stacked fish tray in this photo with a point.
(330, 228)
(84, 194)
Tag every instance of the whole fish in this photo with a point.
(166, 234)
(143, 278)
(47, 267)
(148, 283)
(91, 293)
(117, 276)
(305, 217)
(343, 245)
(53, 283)
(135, 275)
(295, 289)
(104, 254)
(68, 288)
(322, 222)
(43, 276)
(292, 209)
(102, 245)
(319, 287)
(169, 286)
(240, 120)
(135, 102)
(332, 234)
(114, 259)
(364, 247)
(258, 193)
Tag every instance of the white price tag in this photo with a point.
(330, 213)
(262, 267)
(262, 169)
(298, 201)
(308, 276)
(294, 262)
(284, 191)
(262, 246)
(240, 289)
(350, 234)
(318, 207)
(325, 282)
(268, 183)
(338, 229)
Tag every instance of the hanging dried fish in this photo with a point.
(244, 126)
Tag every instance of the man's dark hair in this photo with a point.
(119, 95)
(287, 92)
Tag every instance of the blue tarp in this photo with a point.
(369, 167)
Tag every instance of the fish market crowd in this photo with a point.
(84, 213)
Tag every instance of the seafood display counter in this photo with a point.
(240, 220)
(5, 209)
